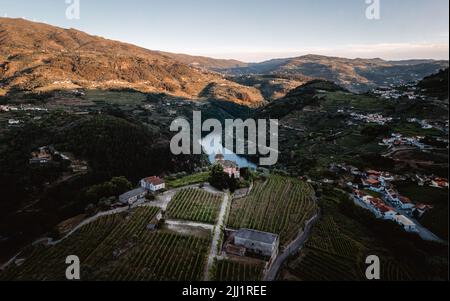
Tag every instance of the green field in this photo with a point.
(280, 205)
(228, 270)
(117, 247)
(188, 180)
(195, 205)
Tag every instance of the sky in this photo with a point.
(257, 30)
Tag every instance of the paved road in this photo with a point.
(216, 236)
(291, 249)
(423, 232)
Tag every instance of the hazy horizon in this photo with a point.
(256, 31)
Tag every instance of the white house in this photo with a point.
(406, 223)
(388, 212)
(153, 184)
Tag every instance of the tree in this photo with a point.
(115, 187)
(121, 185)
(218, 178)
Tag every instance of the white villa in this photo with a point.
(153, 184)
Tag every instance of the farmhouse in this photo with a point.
(153, 184)
(257, 242)
(132, 196)
(229, 167)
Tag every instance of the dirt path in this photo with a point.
(181, 223)
(216, 236)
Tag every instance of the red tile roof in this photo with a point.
(154, 180)
(404, 200)
(423, 206)
(372, 181)
(374, 172)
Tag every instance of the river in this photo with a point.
(212, 145)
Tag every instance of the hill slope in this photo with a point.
(354, 74)
(39, 57)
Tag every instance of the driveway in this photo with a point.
(216, 235)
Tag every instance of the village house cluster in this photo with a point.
(391, 92)
(398, 140)
(46, 154)
(423, 123)
(390, 202)
(376, 193)
(428, 124)
(432, 181)
(8, 108)
(371, 118)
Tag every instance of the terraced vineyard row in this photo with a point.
(328, 237)
(227, 270)
(117, 247)
(48, 262)
(331, 255)
(195, 205)
(280, 205)
(163, 257)
(322, 266)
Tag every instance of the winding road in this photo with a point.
(294, 247)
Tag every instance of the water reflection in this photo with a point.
(212, 145)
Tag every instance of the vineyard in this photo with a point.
(117, 247)
(195, 205)
(336, 251)
(280, 205)
(228, 270)
(329, 255)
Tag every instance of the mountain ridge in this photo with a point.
(358, 75)
(41, 57)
